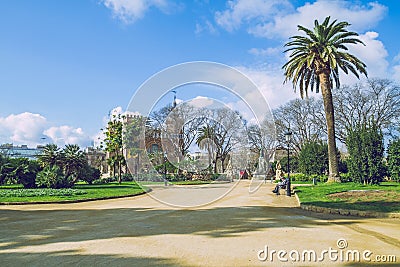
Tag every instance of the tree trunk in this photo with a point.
(119, 172)
(215, 165)
(223, 164)
(330, 126)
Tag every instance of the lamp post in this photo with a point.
(165, 169)
(288, 136)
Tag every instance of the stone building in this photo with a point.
(97, 158)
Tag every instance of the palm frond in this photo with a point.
(321, 50)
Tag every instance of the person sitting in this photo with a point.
(282, 184)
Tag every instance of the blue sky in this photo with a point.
(65, 64)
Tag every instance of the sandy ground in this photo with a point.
(236, 230)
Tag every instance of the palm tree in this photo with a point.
(73, 160)
(315, 61)
(206, 139)
(50, 155)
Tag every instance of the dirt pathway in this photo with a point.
(233, 231)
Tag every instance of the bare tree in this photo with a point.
(377, 100)
(262, 138)
(229, 133)
(183, 124)
(306, 120)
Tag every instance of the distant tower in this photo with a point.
(174, 102)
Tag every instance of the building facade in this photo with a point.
(22, 151)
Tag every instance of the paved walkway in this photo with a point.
(141, 231)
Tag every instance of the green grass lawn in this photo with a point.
(381, 198)
(80, 192)
(301, 182)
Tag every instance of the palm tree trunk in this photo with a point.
(330, 125)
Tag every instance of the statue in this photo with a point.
(261, 168)
(261, 171)
(279, 172)
(229, 171)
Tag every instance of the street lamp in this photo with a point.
(165, 169)
(288, 136)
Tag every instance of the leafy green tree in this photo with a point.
(315, 61)
(365, 146)
(114, 144)
(393, 160)
(133, 141)
(73, 160)
(313, 158)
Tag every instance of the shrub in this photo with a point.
(52, 177)
(393, 160)
(301, 177)
(7, 171)
(127, 177)
(41, 192)
(105, 180)
(313, 158)
(89, 174)
(365, 146)
(346, 177)
(26, 172)
(343, 167)
(294, 164)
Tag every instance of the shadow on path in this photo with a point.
(82, 225)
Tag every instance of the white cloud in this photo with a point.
(24, 128)
(61, 135)
(269, 51)
(129, 11)
(116, 111)
(179, 101)
(33, 129)
(207, 26)
(201, 101)
(396, 73)
(248, 11)
(282, 24)
(361, 17)
(373, 54)
(264, 20)
(270, 84)
(278, 19)
(396, 59)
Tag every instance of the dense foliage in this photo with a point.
(293, 163)
(55, 168)
(114, 144)
(365, 146)
(393, 160)
(53, 177)
(18, 170)
(313, 158)
(89, 174)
